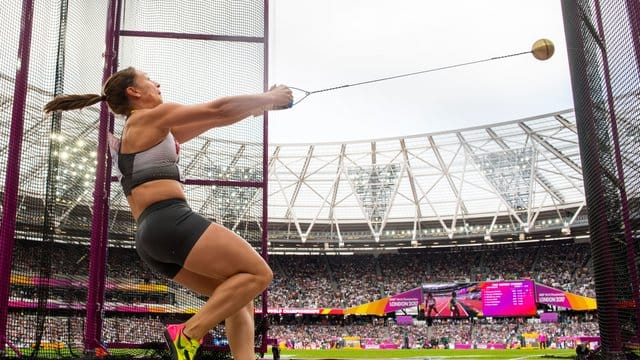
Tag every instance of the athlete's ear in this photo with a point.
(131, 91)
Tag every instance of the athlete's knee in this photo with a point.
(266, 276)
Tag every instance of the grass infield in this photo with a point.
(428, 354)
(478, 354)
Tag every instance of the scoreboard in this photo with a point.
(508, 298)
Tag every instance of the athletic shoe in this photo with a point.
(182, 348)
(102, 351)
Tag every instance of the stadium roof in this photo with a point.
(517, 177)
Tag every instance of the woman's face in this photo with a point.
(147, 88)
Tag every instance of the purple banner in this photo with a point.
(550, 317)
(155, 308)
(298, 311)
(551, 296)
(52, 304)
(75, 283)
(411, 298)
(404, 319)
(128, 308)
(480, 346)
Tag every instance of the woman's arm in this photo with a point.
(188, 121)
(184, 133)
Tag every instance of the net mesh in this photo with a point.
(605, 69)
(198, 51)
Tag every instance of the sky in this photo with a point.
(318, 44)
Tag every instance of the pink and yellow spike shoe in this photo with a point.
(181, 347)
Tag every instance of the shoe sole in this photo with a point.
(169, 341)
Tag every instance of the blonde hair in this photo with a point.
(114, 91)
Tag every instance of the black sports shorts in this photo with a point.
(167, 231)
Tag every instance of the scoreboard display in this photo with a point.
(508, 298)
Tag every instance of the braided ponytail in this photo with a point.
(71, 102)
(114, 91)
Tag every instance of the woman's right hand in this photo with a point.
(282, 97)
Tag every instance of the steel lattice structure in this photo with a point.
(514, 181)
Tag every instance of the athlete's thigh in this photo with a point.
(221, 253)
(200, 284)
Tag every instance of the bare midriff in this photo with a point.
(142, 196)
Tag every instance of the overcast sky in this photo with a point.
(317, 44)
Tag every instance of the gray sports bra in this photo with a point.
(158, 162)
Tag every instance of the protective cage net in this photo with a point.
(217, 50)
(604, 59)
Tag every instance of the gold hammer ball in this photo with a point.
(542, 49)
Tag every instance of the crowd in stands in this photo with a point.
(70, 330)
(315, 333)
(323, 281)
(67, 260)
(355, 278)
(507, 331)
(563, 267)
(301, 282)
(346, 281)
